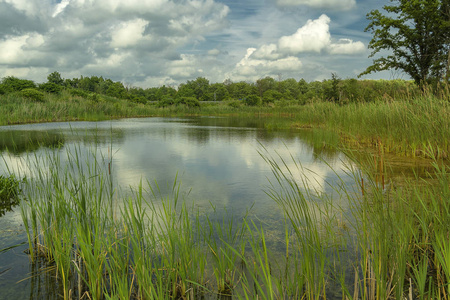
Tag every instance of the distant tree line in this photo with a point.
(264, 91)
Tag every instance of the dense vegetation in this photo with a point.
(396, 113)
(267, 90)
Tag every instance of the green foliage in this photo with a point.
(94, 97)
(218, 92)
(9, 193)
(240, 90)
(252, 100)
(14, 84)
(33, 94)
(166, 101)
(50, 87)
(185, 90)
(79, 93)
(200, 87)
(55, 78)
(417, 33)
(270, 96)
(189, 101)
(331, 89)
(234, 103)
(265, 84)
(9, 187)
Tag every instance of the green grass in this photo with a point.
(105, 244)
(406, 126)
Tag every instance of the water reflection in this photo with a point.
(21, 141)
(215, 159)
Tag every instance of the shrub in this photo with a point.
(94, 97)
(79, 93)
(166, 101)
(13, 84)
(50, 87)
(252, 100)
(33, 94)
(235, 104)
(189, 101)
(271, 96)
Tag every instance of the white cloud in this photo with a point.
(27, 6)
(214, 52)
(20, 50)
(269, 52)
(252, 68)
(314, 36)
(332, 4)
(128, 33)
(186, 67)
(59, 8)
(347, 46)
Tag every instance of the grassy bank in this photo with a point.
(386, 244)
(405, 126)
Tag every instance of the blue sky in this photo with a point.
(154, 42)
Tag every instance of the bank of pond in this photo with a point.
(363, 234)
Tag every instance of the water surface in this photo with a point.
(217, 161)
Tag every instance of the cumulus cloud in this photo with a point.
(347, 46)
(284, 57)
(128, 33)
(252, 68)
(332, 4)
(314, 36)
(21, 50)
(77, 36)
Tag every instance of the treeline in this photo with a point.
(262, 92)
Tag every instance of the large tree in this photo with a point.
(415, 35)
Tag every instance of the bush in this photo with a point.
(94, 97)
(79, 93)
(33, 94)
(13, 84)
(189, 101)
(271, 96)
(50, 87)
(252, 100)
(166, 101)
(235, 104)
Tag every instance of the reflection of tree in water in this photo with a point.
(98, 136)
(238, 122)
(21, 141)
(324, 143)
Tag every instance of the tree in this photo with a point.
(14, 84)
(416, 32)
(200, 87)
(265, 84)
(55, 78)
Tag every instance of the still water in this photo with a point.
(216, 160)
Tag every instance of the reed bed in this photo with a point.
(407, 125)
(103, 243)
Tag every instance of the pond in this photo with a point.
(216, 161)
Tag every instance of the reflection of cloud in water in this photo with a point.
(220, 164)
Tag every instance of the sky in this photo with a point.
(150, 43)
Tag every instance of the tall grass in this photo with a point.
(406, 125)
(383, 244)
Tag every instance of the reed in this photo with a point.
(152, 246)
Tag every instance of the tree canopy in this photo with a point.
(416, 34)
